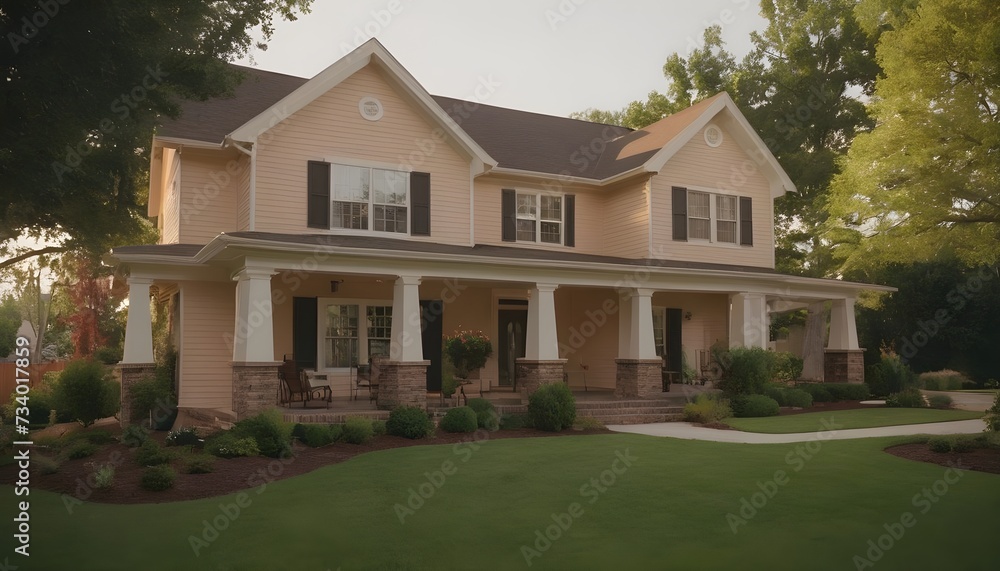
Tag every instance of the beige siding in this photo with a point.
(590, 215)
(709, 321)
(587, 326)
(332, 128)
(243, 195)
(207, 321)
(726, 169)
(625, 220)
(169, 218)
(208, 195)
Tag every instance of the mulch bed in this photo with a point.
(980, 459)
(228, 475)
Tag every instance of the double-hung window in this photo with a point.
(366, 198)
(539, 218)
(725, 218)
(714, 217)
(354, 332)
(699, 215)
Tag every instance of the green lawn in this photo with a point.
(847, 419)
(666, 511)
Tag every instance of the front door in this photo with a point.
(512, 325)
(431, 332)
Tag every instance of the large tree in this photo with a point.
(927, 177)
(82, 87)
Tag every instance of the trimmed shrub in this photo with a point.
(460, 419)
(86, 391)
(552, 407)
(707, 408)
(944, 380)
(752, 406)
(378, 427)
(46, 464)
(316, 435)
(515, 421)
(992, 417)
(909, 398)
(786, 367)
(889, 375)
(229, 445)
(957, 443)
(152, 454)
(271, 433)
(199, 464)
(797, 398)
(187, 436)
(80, 449)
(587, 423)
(134, 435)
(357, 430)
(817, 391)
(409, 422)
(158, 478)
(777, 393)
(940, 401)
(848, 391)
(940, 444)
(488, 420)
(747, 371)
(104, 477)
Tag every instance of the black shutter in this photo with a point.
(318, 201)
(420, 204)
(569, 237)
(680, 206)
(508, 207)
(304, 336)
(746, 221)
(675, 361)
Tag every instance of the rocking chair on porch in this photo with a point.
(296, 385)
(365, 377)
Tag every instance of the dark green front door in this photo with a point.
(512, 325)
(431, 330)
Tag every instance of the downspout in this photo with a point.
(252, 199)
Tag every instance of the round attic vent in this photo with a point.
(713, 136)
(370, 108)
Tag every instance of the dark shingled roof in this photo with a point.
(515, 139)
(481, 250)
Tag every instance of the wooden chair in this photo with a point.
(361, 378)
(373, 380)
(296, 385)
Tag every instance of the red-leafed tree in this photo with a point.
(93, 304)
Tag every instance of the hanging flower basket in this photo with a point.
(468, 351)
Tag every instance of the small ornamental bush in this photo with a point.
(229, 445)
(183, 437)
(992, 417)
(909, 398)
(552, 407)
(515, 421)
(747, 371)
(46, 464)
(357, 430)
(940, 444)
(817, 391)
(797, 398)
(152, 454)
(378, 427)
(271, 433)
(777, 393)
(460, 419)
(706, 409)
(786, 367)
(199, 464)
(889, 375)
(940, 401)
(488, 420)
(587, 423)
(944, 380)
(316, 435)
(80, 449)
(99, 436)
(752, 406)
(104, 477)
(134, 435)
(158, 478)
(409, 422)
(87, 392)
(957, 443)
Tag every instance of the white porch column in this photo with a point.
(253, 341)
(641, 331)
(541, 339)
(406, 344)
(139, 327)
(748, 325)
(625, 325)
(843, 330)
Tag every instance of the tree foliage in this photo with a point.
(925, 179)
(83, 86)
(10, 322)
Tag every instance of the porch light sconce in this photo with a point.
(335, 285)
(687, 315)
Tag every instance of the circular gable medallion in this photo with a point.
(370, 108)
(713, 136)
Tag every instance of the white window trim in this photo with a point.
(370, 165)
(713, 217)
(538, 219)
(321, 307)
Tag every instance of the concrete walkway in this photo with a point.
(966, 401)
(688, 431)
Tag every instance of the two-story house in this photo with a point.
(354, 214)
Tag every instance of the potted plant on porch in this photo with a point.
(468, 351)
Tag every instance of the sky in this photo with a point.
(547, 56)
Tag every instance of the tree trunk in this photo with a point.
(814, 342)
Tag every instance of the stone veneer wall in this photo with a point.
(844, 366)
(127, 375)
(402, 384)
(255, 387)
(638, 378)
(533, 374)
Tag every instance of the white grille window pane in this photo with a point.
(551, 208)
(352, 215)
(725, 213)
(389, 219)
(700, 229)
(379, 329)
(726, 231)
(526, 230)
(390, 186)
(526, 207)
(699, 213)
(698, 205)
(341, 338)
(551, 233)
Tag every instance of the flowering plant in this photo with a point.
(468, 351)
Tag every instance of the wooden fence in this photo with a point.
(8, 375)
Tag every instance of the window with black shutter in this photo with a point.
(420, 204)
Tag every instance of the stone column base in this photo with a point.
(844, 366)
(255, 387)
(533, 374)
(402, 383)
(128, 374)
(638, 378)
